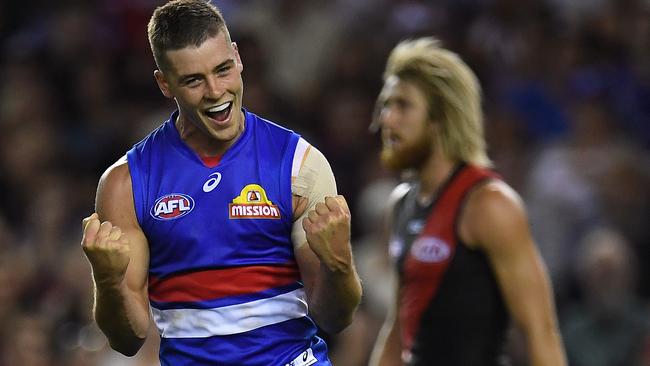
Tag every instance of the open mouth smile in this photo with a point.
(220, 113)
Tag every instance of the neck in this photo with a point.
(433, 174)
(201, 142)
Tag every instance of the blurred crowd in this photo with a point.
(567, 114)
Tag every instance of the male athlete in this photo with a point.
(466, 261)
(223, 226)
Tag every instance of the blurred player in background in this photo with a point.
(465, 258)
(227, 226)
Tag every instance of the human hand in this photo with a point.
(106, 248)
(327, 227)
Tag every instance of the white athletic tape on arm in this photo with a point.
(313, 180)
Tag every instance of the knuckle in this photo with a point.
(86, 242)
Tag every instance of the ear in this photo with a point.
(162, 83)
(240, 65)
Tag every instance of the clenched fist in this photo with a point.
(107, 249)
(328, 233)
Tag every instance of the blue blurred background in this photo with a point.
(567, 105)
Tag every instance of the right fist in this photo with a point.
(106, 248)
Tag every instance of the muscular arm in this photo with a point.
(494, 220)
(118, 253)
(333, 294)
(388, 347)
(324, 253)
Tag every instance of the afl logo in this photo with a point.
(172, 206)
(430, 249)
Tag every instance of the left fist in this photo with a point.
(328, 232)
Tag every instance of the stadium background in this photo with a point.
(567, 103)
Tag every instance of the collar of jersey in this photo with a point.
(185, 150)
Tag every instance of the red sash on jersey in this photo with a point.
(432, 251)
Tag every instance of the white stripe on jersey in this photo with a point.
(232, 319)
(299, 156)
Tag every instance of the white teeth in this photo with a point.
(219, 108)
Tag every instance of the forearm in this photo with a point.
(334, 297)
(122, 316)
(387, 351)
(546, 349)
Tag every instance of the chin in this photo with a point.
(400, 160)
(391, 160)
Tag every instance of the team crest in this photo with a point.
(172, 206)
(252, 203)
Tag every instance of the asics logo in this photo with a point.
(212, 183)
(304, 359)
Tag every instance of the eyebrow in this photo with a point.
(228, 62)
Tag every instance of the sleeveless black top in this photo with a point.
(451, 310)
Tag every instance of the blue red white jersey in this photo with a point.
(224, 286)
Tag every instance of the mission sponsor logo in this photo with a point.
(172, 206)
(252, 203)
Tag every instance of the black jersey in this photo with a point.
(451, 311)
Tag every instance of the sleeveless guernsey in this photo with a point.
(450, 309)
(224, 286)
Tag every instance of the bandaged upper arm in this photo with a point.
(311, 178)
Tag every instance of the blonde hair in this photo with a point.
(453, 92)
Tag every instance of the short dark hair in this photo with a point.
(182, 23)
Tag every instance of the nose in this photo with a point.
(214, 88)
(387, 118)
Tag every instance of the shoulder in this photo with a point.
(119, 169)
(116, 180)
(492, 210)
(114, 201)
(308, 160)
(398, 193)
(315, 156)
(263, 124)
(396, 196)
(494, 196)
(312, 178)
(311, 172)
